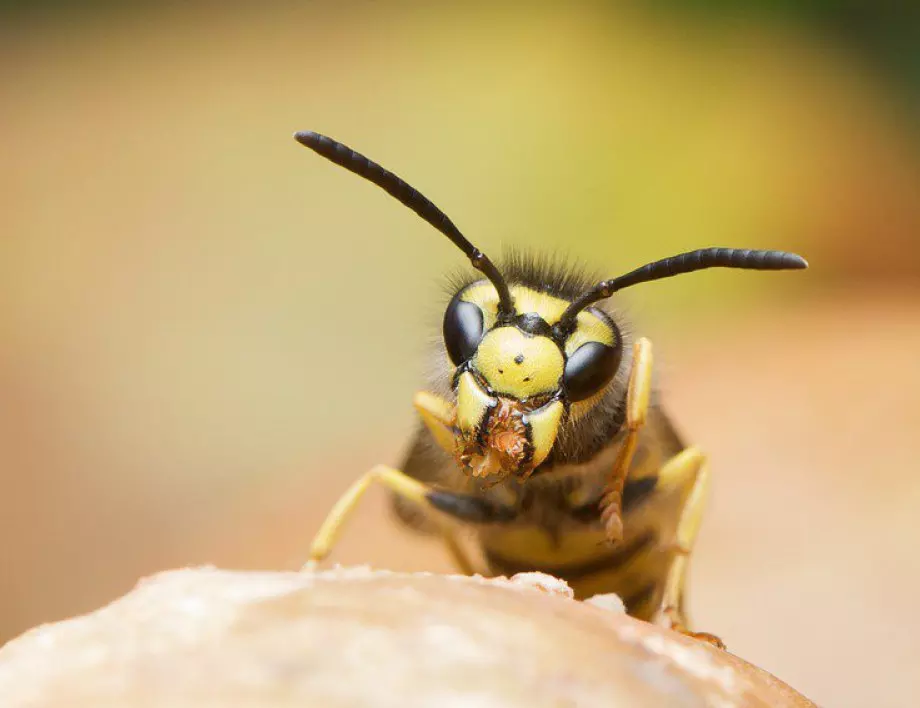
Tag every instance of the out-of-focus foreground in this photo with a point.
(207, 331)
(357, 637)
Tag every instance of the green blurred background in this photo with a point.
(207, 331)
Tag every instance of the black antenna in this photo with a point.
(344, 156)
(675, 265)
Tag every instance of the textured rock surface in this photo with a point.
(356, 637)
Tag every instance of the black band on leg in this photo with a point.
(469, 508)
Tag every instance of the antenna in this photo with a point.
(344, 156)
(702, 259)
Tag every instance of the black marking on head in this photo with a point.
(528, 446)
(589, 369)
(531, 323)
(484, 423)
(463, 329)
(458, 372)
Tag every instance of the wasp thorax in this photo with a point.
(500, 447)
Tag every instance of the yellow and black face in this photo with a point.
(516, 375)
(523, 356)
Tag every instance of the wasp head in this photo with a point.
(516, 375)
(521, 355)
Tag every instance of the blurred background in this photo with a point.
(206, 331)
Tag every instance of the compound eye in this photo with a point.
(589, 369)
(463, 325)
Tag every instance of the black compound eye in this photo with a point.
(589, 369)
(462, 329)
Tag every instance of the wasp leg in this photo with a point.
(459, 554)
(687, 474)
(423, 460)
(637, 398)
(460, 507)
(439, 417)
(393, 479)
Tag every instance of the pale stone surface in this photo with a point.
(361, 637)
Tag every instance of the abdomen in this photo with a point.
(579, 553)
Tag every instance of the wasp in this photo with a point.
(541, 432)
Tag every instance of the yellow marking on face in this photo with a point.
(544, 425)
(588, 326)
(472, 403)
(484, 296)
(517, 364)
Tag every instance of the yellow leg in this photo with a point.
(391, 478)
(462, 560)
(686, 473)
(397, 482)
(439, 417)
(637, 398)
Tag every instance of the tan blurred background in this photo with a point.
(207, 331)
